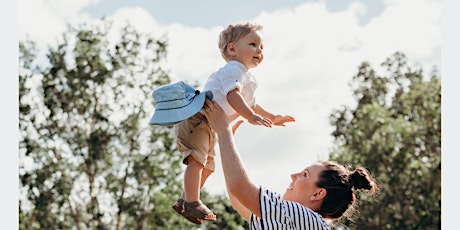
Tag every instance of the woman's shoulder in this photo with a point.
(293, 212)
(304, 216)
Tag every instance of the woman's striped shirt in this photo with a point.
(283, 215)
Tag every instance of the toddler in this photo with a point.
(233, 88)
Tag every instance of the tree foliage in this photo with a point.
(88, 158)
(394, 131)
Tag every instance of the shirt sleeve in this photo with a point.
(232, 78)
(277, 213)
(271, 208)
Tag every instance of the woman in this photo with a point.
(320, 191)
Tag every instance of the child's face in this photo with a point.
(248, 50)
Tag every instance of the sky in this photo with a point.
(312, 49)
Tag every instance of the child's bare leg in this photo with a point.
(192, 180)
(204, 176)
(205, 173)
(194, 177)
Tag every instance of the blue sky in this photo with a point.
(312, 50)
(216, 13)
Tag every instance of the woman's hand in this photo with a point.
(236, 125)
(218, 120)
(211, 107)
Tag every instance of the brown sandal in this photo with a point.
(179, 208)
(198, 210)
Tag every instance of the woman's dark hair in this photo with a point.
(340, 183)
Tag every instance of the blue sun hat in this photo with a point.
(176, 102)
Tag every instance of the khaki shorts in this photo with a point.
(195, 138)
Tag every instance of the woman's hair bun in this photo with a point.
(360, 179)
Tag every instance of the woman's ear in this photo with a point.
(319, 194)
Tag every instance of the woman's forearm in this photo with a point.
(242, 210)
(238, 184)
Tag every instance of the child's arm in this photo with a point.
(276, 119)
(259, 110)
(238, 103)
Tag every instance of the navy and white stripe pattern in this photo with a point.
(281, 214)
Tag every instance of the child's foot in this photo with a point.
(178, 207)
(198, 210)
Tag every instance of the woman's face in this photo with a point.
(303, 184)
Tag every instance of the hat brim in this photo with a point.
(176, 115)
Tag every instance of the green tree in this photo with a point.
(394, 131)
(227, 217)
(84, 124)
(88, 158)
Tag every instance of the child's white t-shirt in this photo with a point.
(231, 76)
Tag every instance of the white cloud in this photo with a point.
(44, 20)
(192, 52)
(139, 18)
(410, 26)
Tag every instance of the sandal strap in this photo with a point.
(197, 209)
(180, 201)
(194, 204)
(179, 208)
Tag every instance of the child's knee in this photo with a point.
(190, 160)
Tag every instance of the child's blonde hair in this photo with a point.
(233, 33)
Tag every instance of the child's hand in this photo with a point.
(281, 119)
(256, 119)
